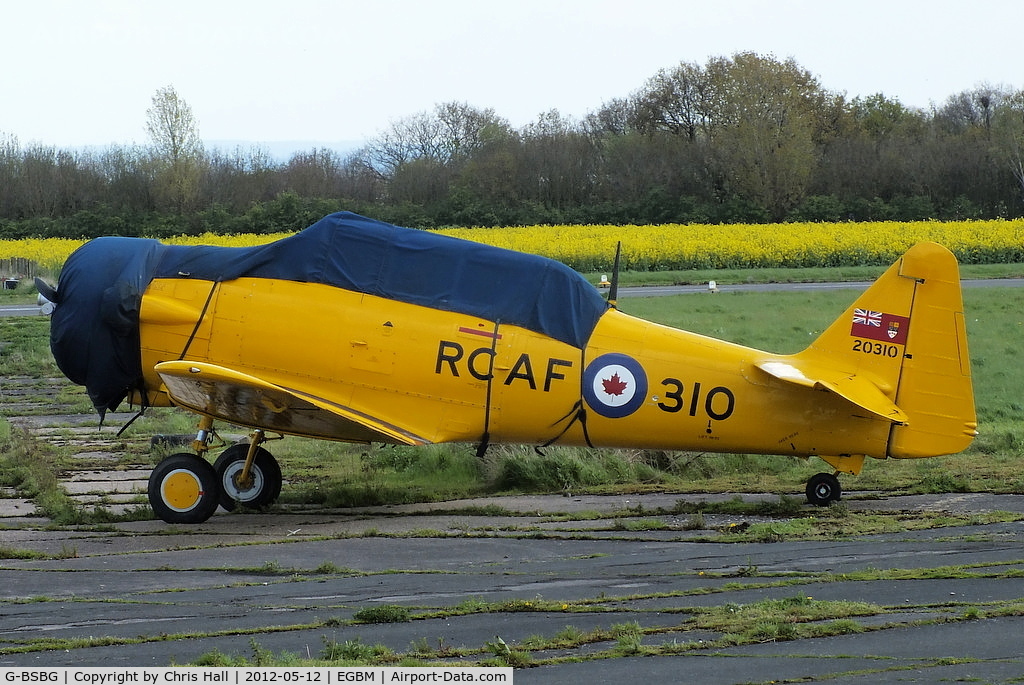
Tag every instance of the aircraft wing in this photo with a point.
(851, 387)
(246, 400)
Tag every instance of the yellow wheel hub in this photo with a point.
(181, 490)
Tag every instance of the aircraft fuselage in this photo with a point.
(450, 377)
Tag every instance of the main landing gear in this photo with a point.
(185, 488)
(822, 489)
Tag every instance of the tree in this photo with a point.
(557, 163)
(10, 175)
(875, 153)
(611, 119)
(447, 137)
(881, 118)
(972, 109)
(675, 100)
(1008, 127)
(764, 127)
(177, 149)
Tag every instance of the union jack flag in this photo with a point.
(867, 317)
(880, 326)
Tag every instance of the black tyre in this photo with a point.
(183, 489)
(265, 476)
(822, 489)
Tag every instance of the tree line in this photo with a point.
(746, 138)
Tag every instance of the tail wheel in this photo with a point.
(264, 478)
(823, 488)
(183, 489)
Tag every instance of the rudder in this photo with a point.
(906, 334)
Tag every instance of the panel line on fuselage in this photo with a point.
(199, 322)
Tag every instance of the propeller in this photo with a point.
(47, 290)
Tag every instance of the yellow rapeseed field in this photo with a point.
(50, 253)
(590, 248)
(678, 246)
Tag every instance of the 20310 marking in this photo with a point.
(881, 349)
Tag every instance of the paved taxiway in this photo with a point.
(292, 582)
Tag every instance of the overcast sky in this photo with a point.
(83, 72)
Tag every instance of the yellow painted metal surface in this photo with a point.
(890, 378)
(181, 490)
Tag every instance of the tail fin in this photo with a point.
(906, 336)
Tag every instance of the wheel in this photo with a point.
(823, 488)
(183, 489)
(265, 474)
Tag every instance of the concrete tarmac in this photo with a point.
(944, 604)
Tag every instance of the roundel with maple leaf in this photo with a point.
(614, 385)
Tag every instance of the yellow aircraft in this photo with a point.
(356, 330)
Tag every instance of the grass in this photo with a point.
(25, 347)
(388, 613)
(26, 293)
(769, 618)
(786, 619)
(25, 467)
(795, 275)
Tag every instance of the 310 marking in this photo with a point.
(718, 410)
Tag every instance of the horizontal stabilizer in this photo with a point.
(250, 401)
(853, 388)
